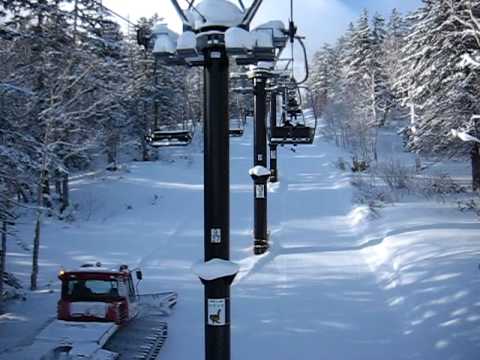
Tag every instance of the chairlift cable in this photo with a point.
(108, 10)
(291, 10)
(292, 49)
(179, 11)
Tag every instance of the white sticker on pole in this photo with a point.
(273, 154)
(216, 236)
(216, 312)
(215, 55)
(260, 157)
(260, 191)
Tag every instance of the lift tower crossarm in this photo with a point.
(181, 13)
(252, 11)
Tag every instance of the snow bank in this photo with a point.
(215, 269)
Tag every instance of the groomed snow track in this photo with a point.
(142, 339)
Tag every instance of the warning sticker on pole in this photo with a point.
(216, 236)
(260, 191)
(216, 312)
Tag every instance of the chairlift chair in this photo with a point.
(292, 132)
(169, 138)
(165, 136)
(237, 127)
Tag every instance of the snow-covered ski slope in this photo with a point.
(335, 285)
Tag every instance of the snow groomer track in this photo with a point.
(142, 339)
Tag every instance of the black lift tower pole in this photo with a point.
(260, 191)
(273, 147)
(217, 201)
(205, 43)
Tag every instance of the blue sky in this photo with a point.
(320, 20)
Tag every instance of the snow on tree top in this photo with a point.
(468, 61)
(259, 171)
(215, 269)
(215, 13)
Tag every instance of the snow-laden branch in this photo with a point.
(462, 135)
(468, 61)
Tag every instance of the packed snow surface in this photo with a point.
(215, 269)
(336, 284)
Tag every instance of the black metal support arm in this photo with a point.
(251, 12)
(180, 12)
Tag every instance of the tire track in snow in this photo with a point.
(179, 226)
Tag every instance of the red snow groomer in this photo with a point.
(101, 316)
(96, 294)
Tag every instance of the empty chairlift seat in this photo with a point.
(289, 134)
(236, 128)
(165, 138)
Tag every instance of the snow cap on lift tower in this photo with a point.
(259, 172)
(215, 269)
(215, 13)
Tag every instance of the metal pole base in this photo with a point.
(260, 247)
